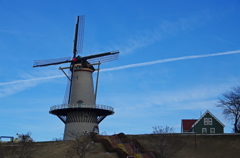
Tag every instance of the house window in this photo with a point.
(207, 121)
(212, 130)
(204, 130)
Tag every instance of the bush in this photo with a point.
(109, 148)
(139, 146)
(107, 145)
(123, 138)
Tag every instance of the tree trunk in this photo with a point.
(235, 126)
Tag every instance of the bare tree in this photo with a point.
(25, 137)
(25, 150)
(57, 139)
(81, 145)
(17, 150)
(230, 104)
(165, 141)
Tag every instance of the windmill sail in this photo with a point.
(75, 50)
(103, 57)
(80, 34)
(40, 63)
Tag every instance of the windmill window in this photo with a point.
(79, 103)
(78, 67)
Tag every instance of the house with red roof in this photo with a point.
(187, 125)
(206, 124)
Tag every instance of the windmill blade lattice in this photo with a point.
(40, 63)
(103, 57)
(80, 34)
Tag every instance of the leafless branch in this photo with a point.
(81, 145)
(165, 142)
(230, 104)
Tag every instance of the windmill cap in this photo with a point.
(74, 59)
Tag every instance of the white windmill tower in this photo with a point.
(80, 114)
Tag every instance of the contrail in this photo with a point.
(133, 65)
(32, 79)
(170, 60)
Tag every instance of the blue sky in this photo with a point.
(176, 59)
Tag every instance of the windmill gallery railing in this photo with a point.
(82, 105)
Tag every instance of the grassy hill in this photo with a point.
(206, 146)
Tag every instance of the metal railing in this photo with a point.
(82, 105)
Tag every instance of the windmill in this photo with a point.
(80, 113)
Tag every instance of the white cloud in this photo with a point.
(164, 29)
(140, 41)
(224, 41)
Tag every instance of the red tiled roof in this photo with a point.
(187, 124)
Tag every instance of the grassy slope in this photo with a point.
(224, 146)
(59, 150)
(207, 146)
